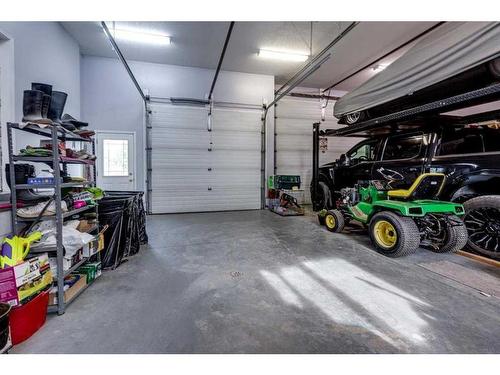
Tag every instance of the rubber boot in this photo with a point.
(47, 90)
(43, 87)
(32, 106)
(56, 107)
(45, 107)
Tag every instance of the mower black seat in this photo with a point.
(425, 186)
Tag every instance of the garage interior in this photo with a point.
(182, 148)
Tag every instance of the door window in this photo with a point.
(407, 147)
(363, 152)
(469, 141)
(115, 152)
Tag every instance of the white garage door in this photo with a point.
(294, 119)
(194, 170)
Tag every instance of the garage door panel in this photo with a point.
(180, 139)
(288, 142)
(166, 158)
(178, 117)
(180, 177)
(235, 160)
(294, 126)
(236, 120)
(300, 160)
(199, 200)
(226, 140)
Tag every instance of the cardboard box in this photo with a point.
(67, 262)
(85, 225)
(80, 284)
(94, 246)
(92, 270)
(24, 280)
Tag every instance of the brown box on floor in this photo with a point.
(71, 292)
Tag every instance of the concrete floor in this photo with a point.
(254, 282)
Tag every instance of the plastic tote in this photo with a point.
(25, 320)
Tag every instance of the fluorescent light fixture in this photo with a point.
(379, 67)
(282, 55)
(141, 36)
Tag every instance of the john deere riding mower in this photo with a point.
(399, 221)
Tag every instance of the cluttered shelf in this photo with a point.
(62, 133)
(49, 159)
(51, 186)
(52, 307)
(53, 217)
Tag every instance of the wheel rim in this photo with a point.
(483, 228)
(330, 221)
(353, 117)
(385, 234)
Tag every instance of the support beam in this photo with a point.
(312, 65)
(226, 42)
(315, 166)
(122, 59)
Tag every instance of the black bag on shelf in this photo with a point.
(124, 212)
(21, 171)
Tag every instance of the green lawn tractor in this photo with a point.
(399, 221)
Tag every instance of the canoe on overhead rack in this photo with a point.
(464, 55)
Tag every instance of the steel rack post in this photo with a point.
(12, 176)
(59, 222)
(315, 159)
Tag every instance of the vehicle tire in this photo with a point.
(324, 198)
(355, 118)
(456, 237)
(394, 235)
(494, 67)
(334, 221)
(482, 220)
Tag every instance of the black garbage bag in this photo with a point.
(124, 212)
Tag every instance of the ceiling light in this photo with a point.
(380, 67)
(284, 56)
(141, 36)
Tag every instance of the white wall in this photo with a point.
(111, 102)
(42, 52)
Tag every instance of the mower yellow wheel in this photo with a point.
(330, 221)
(385, 234)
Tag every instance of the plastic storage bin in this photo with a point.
(25, 320)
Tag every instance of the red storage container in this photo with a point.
(25, 320)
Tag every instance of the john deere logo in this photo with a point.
(358, 213)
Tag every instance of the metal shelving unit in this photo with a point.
(56, 160)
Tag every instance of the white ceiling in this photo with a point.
(199, 44)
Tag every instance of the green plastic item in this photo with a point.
(98, 193)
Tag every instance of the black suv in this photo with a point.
(469, 156)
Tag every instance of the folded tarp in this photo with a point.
(447, 51)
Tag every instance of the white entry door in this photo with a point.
(116, 161)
